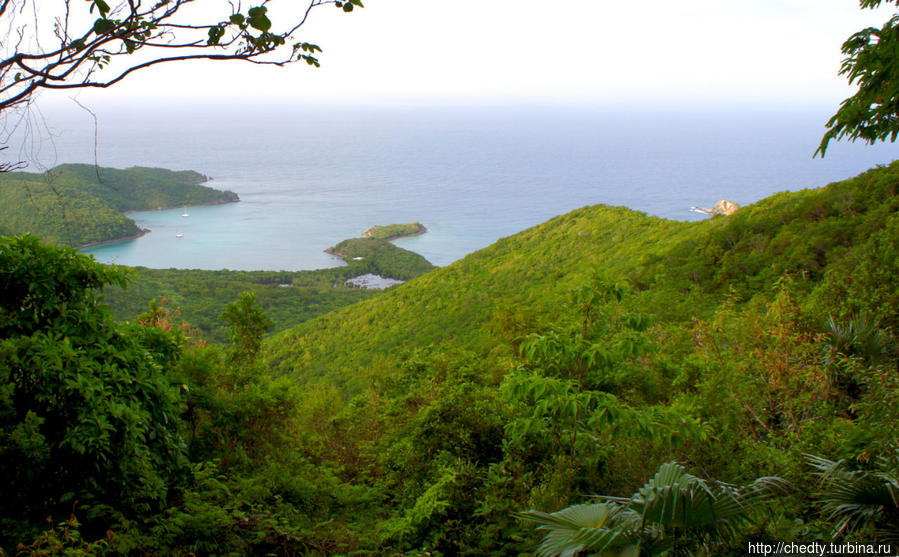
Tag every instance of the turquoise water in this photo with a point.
(210, 233)
(309, 177)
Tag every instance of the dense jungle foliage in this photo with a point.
(720, 382)
(79, 204)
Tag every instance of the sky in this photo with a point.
(576, 52)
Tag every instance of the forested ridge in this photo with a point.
(600, 353)
(79, 204)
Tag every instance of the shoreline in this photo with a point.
(143, 232)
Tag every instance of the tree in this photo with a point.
(248, 323)
(872, 114)
(88, 411)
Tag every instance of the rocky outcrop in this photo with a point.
(723, 207)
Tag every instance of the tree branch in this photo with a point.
(154, 31)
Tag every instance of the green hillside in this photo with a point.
(520, 278)
(679, 270)
(575, 357)
(62, 215)
(78, 204)
(604, 352)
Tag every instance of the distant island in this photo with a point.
(394, 231)
(83, 205)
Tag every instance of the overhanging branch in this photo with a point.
(117, 32)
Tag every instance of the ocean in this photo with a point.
(311, 176)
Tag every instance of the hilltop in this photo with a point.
(80, 204)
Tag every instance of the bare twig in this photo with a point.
(96, 137)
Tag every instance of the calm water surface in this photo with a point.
(309, 177)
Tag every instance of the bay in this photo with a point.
(311, 176)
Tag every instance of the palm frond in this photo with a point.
(861, 336)
(854, 499)
(675, 499)
(578, 528)
(671, 502)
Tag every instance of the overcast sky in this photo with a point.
(587, 51)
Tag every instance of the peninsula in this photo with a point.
(82, 204)
(374, 254)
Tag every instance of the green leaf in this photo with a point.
(348, 7)
(129, 46)
(104, 26)
(258, 19)
(590, 528)
(215, 35)
(102, 7)
(237, 19)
